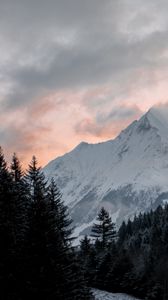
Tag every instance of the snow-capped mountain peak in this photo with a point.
(126, 175)
(158, 119)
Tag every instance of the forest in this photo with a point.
(133, 260)
(37, 257)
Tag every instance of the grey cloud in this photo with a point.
(103, 124)
(119, 113)
(73, 44)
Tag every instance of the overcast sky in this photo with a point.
(74, 70)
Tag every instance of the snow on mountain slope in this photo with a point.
(102, 295)
(126, 175)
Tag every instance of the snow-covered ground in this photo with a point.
(102, 295)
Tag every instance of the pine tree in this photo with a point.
(36, 238)
(20, 198)
(104, 230)
(87, 256)
(60, 211)
(8, 232)
(16, 169)
(70, 280)
(85, 246)
(52, 270)
(20, 193)
(122, 233)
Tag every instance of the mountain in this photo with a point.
(103, 295)
(126, 175)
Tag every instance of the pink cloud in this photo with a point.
(54, 124)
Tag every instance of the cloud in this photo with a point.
(119, 113)
(78, 44)
(109, 124)
(30, 130)
(74, 69)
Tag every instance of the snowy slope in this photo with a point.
(126, 175)
(102, 295)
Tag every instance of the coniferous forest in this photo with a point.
(133, 261)
(37, 258)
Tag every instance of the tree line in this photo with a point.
(36, 254)
(134, 260)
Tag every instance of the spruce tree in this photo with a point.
(69, 275)
(20, 193)
(104, 229)
(52, 269)
(16, 169)
(36, 237)
(122, 233)
(87, 257)
(8, 232)
(85, 246)
(60, 212)
(20, 196)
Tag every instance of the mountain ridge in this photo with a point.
(126, 175)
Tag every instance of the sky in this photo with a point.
(77, 70)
